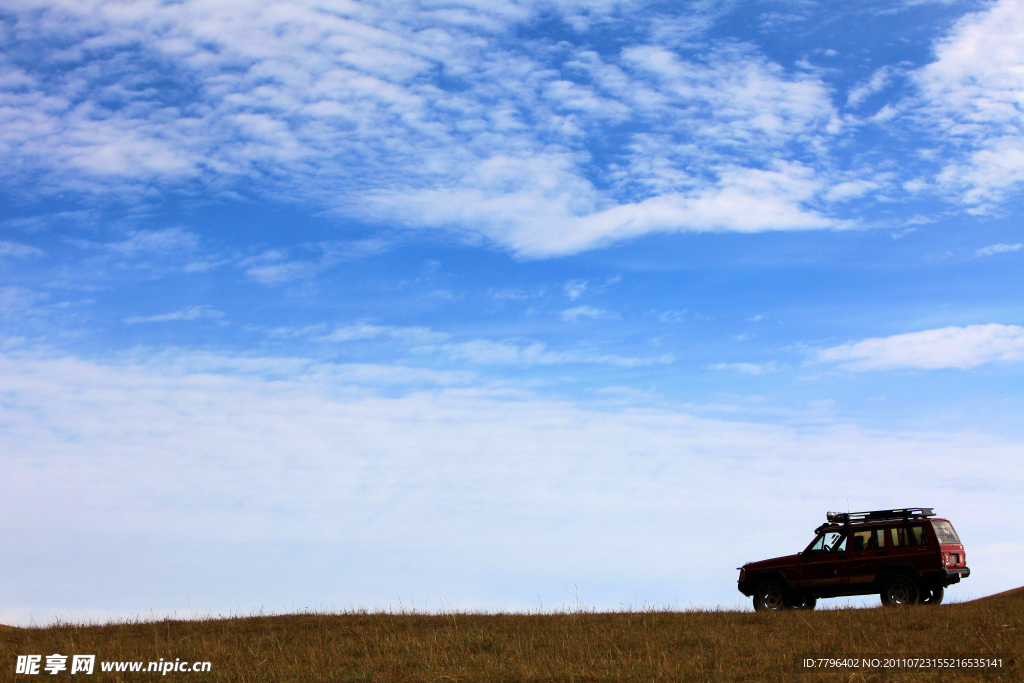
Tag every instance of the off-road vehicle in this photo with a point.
(906, 556)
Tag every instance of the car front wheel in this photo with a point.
(900, 591)
(771, 596)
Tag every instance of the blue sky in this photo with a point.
(494, 304)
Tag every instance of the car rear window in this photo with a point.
(944, 532)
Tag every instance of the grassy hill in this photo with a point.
(579, 646)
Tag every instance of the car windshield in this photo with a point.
(944, 532)
(829, 542)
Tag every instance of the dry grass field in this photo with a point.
(577, 646)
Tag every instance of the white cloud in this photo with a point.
(18, 250)
(749, 368)
(153, 250)
(744, 200)
(575, 313)
(279, 266)
(19, 299)
(375, 374)
(513, 294)
(947, 347)
(193, 313)
(750, 96)
(487, 352)
(357, 331)
(852, 189)
(415, 114)
(153, 242)
(972, 93)
(424, 342)
(575, 288)
(878, 81)
(416, 117)
(282, 271)
(365, 330)
(486, 498)
(997, 249)
(672, 316)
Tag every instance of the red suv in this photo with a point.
(906, 556)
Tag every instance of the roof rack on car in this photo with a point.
(905, 514)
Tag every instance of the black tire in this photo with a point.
(900, 591)
(809, 602)
(933, 597)
(771, 596)
(801, 600)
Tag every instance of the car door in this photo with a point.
(868, 552)
(824, 563)
(911, 544)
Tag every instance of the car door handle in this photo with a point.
(921, 550)
(880, 552)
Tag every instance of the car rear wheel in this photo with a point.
(807, 602)
(900, 591)
(771, 596)
(934, 596)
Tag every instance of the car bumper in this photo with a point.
(950, 575)
(961, 573)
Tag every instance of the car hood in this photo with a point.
(785, 560)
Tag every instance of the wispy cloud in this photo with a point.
(487, 352)
(748, 368)
(972, 94)
(350, 109)
(575, 288)
(18, 250)
(577, 312)
(366, 330)
(210, 457)
(19, 299)
(159, 242)
(672, 316)
(152, 250)
(997, 249)
(365, 113)
(947, 347)
(878, 81)
(192, 313)
(280, 266)
(852, 189)
(514, 294)
(425, 342)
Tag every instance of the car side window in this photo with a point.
(903, 536)
(867, 539)
(829, 542)
(834, 541)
